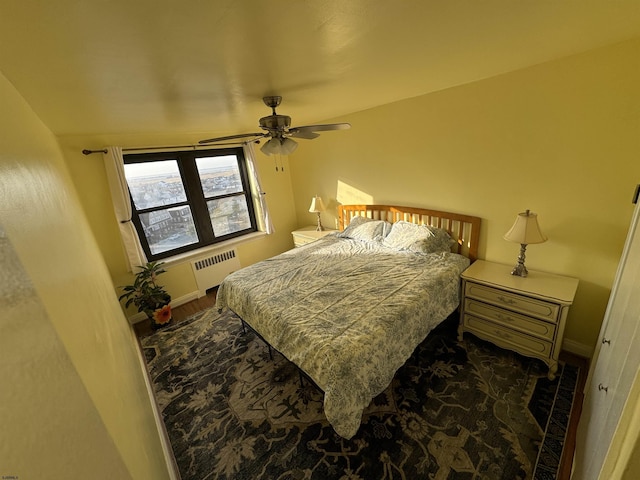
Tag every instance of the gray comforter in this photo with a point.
(348, 313)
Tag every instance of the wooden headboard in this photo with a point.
(465, 229)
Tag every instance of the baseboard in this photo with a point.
(172, 466)
(176, 302)
(577, 348)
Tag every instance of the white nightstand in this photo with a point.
(523, 314)
(306, 235)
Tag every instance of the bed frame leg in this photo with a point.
(301, 378)
(244, 329)
(270, 352)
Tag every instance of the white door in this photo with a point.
(614, 365)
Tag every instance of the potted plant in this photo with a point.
(148, 296)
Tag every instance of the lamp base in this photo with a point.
(520, 270)
(319, 228)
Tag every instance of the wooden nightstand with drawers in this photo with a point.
(523, 314)
(306, 235)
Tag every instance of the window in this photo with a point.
(189, 199)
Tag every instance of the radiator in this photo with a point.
(211, 270)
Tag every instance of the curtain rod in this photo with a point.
(133, 149)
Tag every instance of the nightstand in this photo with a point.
(306, 235)
(523, 314)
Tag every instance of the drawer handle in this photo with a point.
(604, 340)
(508, 301)
(602, 387)
(502, 334)
(499, 316)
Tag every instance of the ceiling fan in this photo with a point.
(279, 131)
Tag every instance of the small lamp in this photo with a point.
(525, 230)
(316, 207)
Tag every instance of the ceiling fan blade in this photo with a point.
(232, 137)
(322, 128)
(297, 133)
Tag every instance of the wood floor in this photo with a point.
(570, 443)
(208, 301)
(181, 313)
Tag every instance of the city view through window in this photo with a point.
(165, 211)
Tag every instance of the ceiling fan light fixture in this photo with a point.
(279, 146)
(287, 146)
(270, 147)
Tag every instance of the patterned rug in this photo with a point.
(455, 410)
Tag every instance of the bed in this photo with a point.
(350, 308)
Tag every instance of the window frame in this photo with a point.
(195, 198)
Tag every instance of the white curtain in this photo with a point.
(114, 165)
(262, 212)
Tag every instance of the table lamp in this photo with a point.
(525, 230)
(316, 207)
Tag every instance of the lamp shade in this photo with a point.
(271, 147)
(287, 146)
(525, 230)
(316, 205)
(279, 146)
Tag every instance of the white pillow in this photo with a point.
(366, 229)
(418, 238)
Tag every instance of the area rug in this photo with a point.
(455, 410)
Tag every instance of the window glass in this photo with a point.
(169, 229)
(153, 184)
(228, 215)
(219, 175)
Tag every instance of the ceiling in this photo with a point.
(169, 66)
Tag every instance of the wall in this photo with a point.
(73, 400)
(90, 179)
(560, 138)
